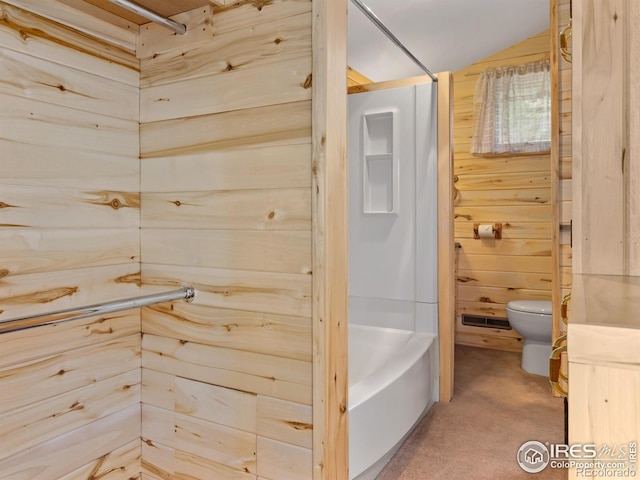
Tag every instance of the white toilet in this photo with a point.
(532, 320)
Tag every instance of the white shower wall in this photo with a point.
(393, 252)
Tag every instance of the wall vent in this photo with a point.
(486, 322)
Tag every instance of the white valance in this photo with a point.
(512, 110)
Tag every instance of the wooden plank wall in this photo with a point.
(512, 190)
(606, 217)
(69, 220)
(226, 206)
(564, 169)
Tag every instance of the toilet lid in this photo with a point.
(531, 306)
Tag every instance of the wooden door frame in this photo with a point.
(329, 197)
(330, 239)
(446, 243)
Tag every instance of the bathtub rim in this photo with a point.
(368, 387)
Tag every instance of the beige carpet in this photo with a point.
(497, 407)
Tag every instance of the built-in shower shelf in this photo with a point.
(380, 163)
(378, 185)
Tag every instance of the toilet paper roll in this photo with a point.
(485, 231)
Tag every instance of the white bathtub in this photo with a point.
(391, 385)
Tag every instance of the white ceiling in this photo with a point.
(442, 34)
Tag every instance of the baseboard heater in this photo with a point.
(486, 322)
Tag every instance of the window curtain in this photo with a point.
(512, 110)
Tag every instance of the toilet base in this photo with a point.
(535, 357)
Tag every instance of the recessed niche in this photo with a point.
(378, 133)
(380, 163)
(378, 184)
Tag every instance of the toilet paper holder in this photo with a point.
(496, 227)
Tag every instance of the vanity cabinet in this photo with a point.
(604, 366)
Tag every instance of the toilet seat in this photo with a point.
(541, 307)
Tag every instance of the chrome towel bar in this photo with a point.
(11, 325)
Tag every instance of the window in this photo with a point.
(512, 110)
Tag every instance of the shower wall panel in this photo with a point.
(393, 208)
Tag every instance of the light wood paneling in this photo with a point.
(278, 335)
(33, 34)
(284, 252)
(253, 45)
(27, 345)
(28, 164)
(517, 280)
(272, 209)
(502, 182)
(167, 8)
(233, 448)
(519, 196)
(489, 340)
(279, 293)
(330, 457)
(287, 421)
(158, 461)
(606, 217)
(243, 169)
(504, 213)
(155, 39)
(74, 449)
(123, 462)
(250, 372)
(28, 426)
(236, 16)
(276, 125)
(26, 120)
(224, 406)
(69, 215)
(446, 248)
(158, 389)
(356, 78)
(109, 29)
(30, 251)
(289, 82)
(61, 373)
(31, 294)
(45, 207)
(190, 466)
(283, 461)
(466, 163)
(226, 206)
(499, 295)
(158, 429)
(49, 82)
(514, 190)
(482, 309)
(632, 191)
(525, 247)
(504, 263)
(176, 435)
(58, 110)
(560, 184)
(399, 83)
